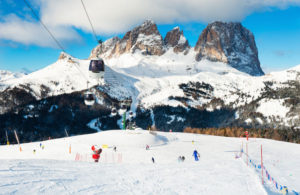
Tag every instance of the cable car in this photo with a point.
(114, 112)
(130, 114)
(89, 99)
(96, 68)
(123, 107)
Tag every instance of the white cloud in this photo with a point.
(32, 33)
(117, 16)
(114, 16)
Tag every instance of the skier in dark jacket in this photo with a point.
(153, 160)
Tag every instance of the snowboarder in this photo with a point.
(196, 155)
(96, 153)
(147, 147)
(153, 160)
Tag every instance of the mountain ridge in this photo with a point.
(230, 43)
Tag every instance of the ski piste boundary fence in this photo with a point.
(108, 157)
(266, 176)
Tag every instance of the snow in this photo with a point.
(93, 125)
(6, 75)
(130, 170)
(248, 120)
(259, 120)
(273, 107)
(182, 40)
(53, 107)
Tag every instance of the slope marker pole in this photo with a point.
(17, 138)
(7, 138)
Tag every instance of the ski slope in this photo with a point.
(130, 170)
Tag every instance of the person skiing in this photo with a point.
(147, 147)
(96, 153)
(115, 148)
(179, 159)
(196, 155)
(153, 160)
(182, 158)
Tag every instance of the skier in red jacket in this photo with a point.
(96, 153)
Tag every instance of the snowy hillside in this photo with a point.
(172, 79)
(53, 169)
(6, 75)
(64, 76)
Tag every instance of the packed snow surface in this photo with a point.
(52, 168)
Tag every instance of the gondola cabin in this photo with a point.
(96, 68)
(114, 112)
(130, 114)
(89, 99)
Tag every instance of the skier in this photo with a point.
(96, 154)
(147, 147)
(179, 159)
(196, 155)
(153, 160)
(182, 158)
(115, 148)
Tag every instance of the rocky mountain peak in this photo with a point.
(144, 38)
(104, 49)
(230, 43)
(176, 39)
(63, 56)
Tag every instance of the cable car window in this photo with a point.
(96, 66)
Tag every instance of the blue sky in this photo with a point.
(276, 29)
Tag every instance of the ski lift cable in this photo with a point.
(93, 29)
(38, 18)
(53, 37)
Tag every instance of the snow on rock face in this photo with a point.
(229, 43)
(273, 107)
(176, 39)
(145, 38)
(105, 49)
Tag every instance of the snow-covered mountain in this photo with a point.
(230, 43)
(6, 75)
(169, 85)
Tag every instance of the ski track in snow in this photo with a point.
(54, 170)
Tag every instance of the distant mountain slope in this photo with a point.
(6, 75)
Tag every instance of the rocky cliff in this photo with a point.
(176, 40)
(230, 43)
